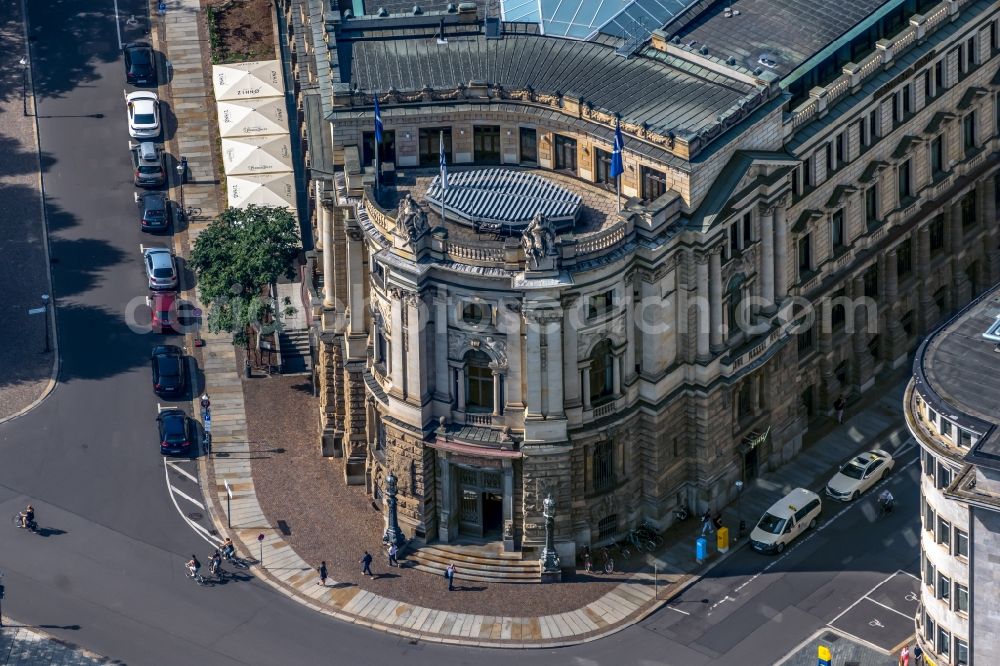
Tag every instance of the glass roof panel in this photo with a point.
(580, 19)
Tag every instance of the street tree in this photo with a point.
(235, 258)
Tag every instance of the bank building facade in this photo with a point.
(520, 332)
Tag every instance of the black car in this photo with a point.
(140, 66)
(154, 212)
(168, 370)
(176, 434)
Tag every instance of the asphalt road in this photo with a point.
(107, 572)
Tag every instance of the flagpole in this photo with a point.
(618, 189)
(442, 173)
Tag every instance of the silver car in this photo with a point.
(161, 270)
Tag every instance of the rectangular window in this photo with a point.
(603, 467)
(939, 76)
(943, 587)
(970, 52)
(945, 432)
(873, 128)
(805, 343)
(936, 233)
(928, 90)
(944, 643)
(928, 574)
(929, 518)
(747, 229)
(805, 255)
(600, 304)
(903, 185)
(734, 239)
(896, 116)
(961, 598)
(944, 533)
(840, 153)
(961, 543)
(963, 65)
(871, 282)
(807, 174)
(904, 259)
(796, 188)
(969, 132)
(937, 156)
(907, 100)
(929, 627)
(602, 167)
(528, 140)
(429, 145)
(565, 149)
(993, 36)
(654, 184)
(961, 652)
(831, 166)
(386, 149)
(871, 206)
(968, 207)
(837, 237)
(964, 438)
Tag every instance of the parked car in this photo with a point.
(147, 158)
(787, 518)
(176, 431)
(143, 109)
(161, 269)
(140, 64)
(163, 306)
(859, 474)
(169, 378)
(155, 211)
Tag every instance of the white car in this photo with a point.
(143, 114)
(161, 271)
(859, 474)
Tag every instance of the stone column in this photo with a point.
(991, 250)
(416, 369)
(831, 387)
(554, 367)
(767, 259)
(497, 404)
(927, 310)
(629, 360)
(962, 290)
(616, 374)
(715, 298)
(652, 352)
(704, 318)
(397, 371)
(326, 217)
(780, 254)
(895, 336)
(569, 351)
(514, 376)
(586, 386)
(533, 346)
(508, 505)
(442, 387)
(356, 280)
(862, 361)
(444, 524)
(460, 387)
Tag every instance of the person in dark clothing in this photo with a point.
(449, 573)
(839, 405)
(322, 574)
(366, 565)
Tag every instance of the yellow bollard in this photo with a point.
(722, 539)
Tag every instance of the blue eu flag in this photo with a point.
(617, 168)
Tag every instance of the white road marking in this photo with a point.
(865, 596)
(678, 610)
(212, 540)
(907, 573)
(890, 608)
(189, 475)
(187, 497)
(118, 26)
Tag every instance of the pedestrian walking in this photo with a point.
(839, 405)
(449, 573)
(706, 522)
(904, 656)
(393, 551)
(587, 563)
(322, 574)
(366, 565)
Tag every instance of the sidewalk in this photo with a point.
(617, 607)
(20, 646)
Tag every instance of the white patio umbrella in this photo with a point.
(257, 154)
(248, 80)
(276, 189)
(252, 117)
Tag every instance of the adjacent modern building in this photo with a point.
(952, 408)
(805, 194)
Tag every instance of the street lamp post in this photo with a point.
(24, 84)
(393, 533)
(739, 509)
(45, 304)
(551, 566)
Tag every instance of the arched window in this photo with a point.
(601, 371)
(478, 382)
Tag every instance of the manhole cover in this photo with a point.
(194, 515)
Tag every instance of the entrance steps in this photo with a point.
(487, 563)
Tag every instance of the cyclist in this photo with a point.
(215, 565)
(886, 500)
(27, 516)
(193, 566)
(228, 549)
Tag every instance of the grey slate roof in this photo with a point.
(641, 89)
(788, 31)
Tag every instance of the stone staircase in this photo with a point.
(486, 563)
(295, 356)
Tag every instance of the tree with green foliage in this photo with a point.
(235, 258)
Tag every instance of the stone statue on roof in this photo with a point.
(411, 220)
(538, 240)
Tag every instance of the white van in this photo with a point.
(787, 518)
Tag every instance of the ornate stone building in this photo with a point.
(951, 410)
(629, 361)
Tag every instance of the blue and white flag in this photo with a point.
(443, 163)
(617, 168)
(378, 122)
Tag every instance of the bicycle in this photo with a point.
(32, 526)
(885, 507)
(195, 575)
(609, 562)
(237, 562)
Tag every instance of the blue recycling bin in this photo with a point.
(701, 549)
